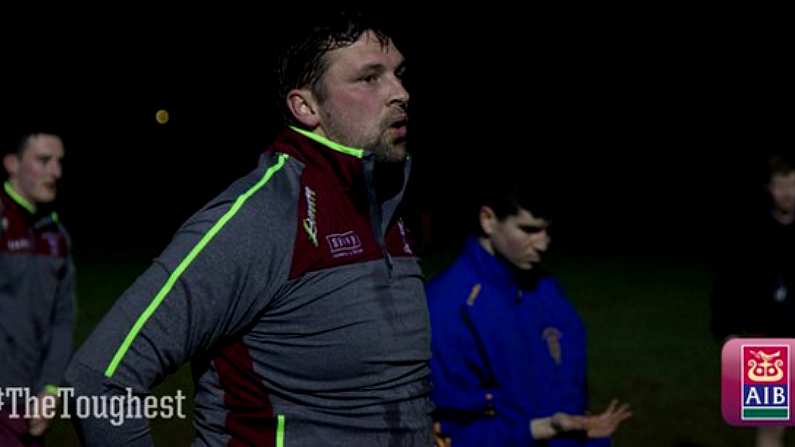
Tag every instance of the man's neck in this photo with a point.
(389, 180)
(486, 244)
(12, 189)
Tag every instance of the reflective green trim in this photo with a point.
(52, 390)
(55, 217)
(23, 202)
(280, 431)
(172, 279)
(358, 153)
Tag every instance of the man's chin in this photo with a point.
(526, 265)
(45, 198)
(392, 153)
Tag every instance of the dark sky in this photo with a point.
(648, 130)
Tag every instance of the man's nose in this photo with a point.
(56, 170)
(542, 243)
(399, 93)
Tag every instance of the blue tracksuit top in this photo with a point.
(525, 347)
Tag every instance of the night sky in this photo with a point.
(649, 133)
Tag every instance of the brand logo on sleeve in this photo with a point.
(310, 224)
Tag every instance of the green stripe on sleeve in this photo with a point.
(172, 279)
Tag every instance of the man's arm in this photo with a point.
(596, 429)
(59, 349)
(215, 277)
(464, 389)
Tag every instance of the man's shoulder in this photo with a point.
(554, 297)
(453, 286)
(269, 177)
(257, 208)
(550, 284)
(269, 185)
(454, 273)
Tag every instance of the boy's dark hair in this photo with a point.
(506, 198)
(779, 165)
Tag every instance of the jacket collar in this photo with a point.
(488, 266)
(354, 168)
(18, 199)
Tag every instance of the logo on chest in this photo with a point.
(345, 244)
(552, 336)
(19, 244)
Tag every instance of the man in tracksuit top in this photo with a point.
(508, 363)
(295, 292)
(36, 287)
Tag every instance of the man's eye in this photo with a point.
(532, 229)
(370, 78)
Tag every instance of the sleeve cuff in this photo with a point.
(51, 389)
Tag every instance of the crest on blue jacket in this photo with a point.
(552, 336)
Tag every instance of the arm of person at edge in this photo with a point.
(58, 352)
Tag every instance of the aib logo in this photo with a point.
(765, 383)
(756, 381)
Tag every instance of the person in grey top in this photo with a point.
(36, 286)
(295, 293)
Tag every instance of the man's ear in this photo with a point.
(488, 220)
(11, 164)
(303, 106)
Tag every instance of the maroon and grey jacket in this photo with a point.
(36, 295)
(297, 297)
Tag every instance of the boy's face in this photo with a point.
(36, 172)
(520, 238)
(782, 191)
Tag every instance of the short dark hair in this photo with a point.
(301, 60)
(779, 165)
(17, 143)
(506, 198)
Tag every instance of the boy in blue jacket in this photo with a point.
(509, 351)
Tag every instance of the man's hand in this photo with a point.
(603, 425)
(38, 424)
(549, 427)
(563, 422)
(439, 439)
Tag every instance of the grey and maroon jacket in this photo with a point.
(36, 295)
(297, 297)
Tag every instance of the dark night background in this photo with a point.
(649, 134)
(648, 129)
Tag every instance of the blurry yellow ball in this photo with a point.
(161, 116)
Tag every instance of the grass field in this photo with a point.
(649, 344)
